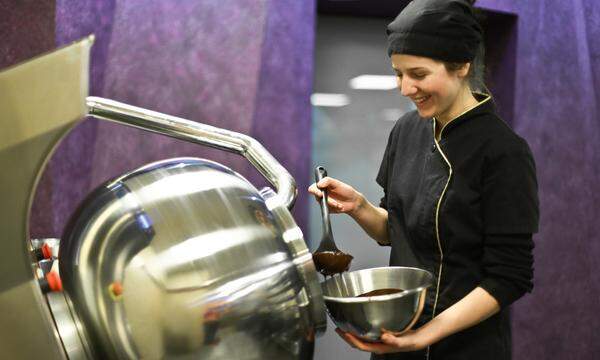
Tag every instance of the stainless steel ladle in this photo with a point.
(328, 259)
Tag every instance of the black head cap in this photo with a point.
(444, 30)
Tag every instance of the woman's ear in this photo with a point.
(463, 71)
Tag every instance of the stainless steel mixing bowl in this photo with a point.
(365, 317)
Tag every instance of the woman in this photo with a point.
(460, 193)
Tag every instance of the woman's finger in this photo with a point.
(315, 191)
(341, 334)
(389, 339)
(323, 183)
(377, 348)
(402, 342)
(329, 183)
(351, 340)
(334, 204)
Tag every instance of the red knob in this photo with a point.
(47, 251)
(54, 282)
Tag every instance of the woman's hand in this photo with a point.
(341, 197)
(411, 340)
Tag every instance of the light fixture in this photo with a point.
(329, 100)
(373, 82)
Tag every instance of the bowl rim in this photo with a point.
(378, 298)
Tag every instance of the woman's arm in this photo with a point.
(474, 308)
(508, 263)
(343, 198)
(373, 220)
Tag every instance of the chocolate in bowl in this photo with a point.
(379, 292)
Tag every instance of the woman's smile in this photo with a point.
(421, 100)
(425, 105)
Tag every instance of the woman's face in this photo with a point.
(429, 85)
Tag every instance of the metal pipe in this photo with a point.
(194, 132)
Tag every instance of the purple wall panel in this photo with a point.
(198, 61)
(556, 111)
(70, 167)
(205, 61)
(283, 111)
(26, 30)
(501, 43)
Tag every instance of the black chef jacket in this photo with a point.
(464, 208)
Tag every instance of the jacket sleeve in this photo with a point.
(511, 214)
(509, 196)
(384, 172)
(382, 176)
(385, 168)
(508, 266)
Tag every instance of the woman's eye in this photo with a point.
(419, 76)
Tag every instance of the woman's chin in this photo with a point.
(425, 113)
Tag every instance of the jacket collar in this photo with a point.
(485, 105)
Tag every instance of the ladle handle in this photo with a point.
(320, 173)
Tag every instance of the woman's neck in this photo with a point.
(464, 102)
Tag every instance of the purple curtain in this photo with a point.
(241, 65)
(555, 109)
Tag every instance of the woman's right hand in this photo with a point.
(341, 197)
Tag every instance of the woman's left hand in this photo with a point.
(411, 340)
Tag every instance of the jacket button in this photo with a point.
(433, 147)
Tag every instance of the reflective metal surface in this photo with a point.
(40, 101)
(203, 134)
(74, 343)
(181, 259)
(366, 316)
(185, 259)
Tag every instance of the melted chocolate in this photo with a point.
(378, 292)
(331, 263)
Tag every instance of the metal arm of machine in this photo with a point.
(203, 134)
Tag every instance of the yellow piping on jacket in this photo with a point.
(439, 203)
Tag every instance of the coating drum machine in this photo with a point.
(179, 259)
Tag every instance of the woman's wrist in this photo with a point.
(359, 206)
(431, 333)
(372, 219)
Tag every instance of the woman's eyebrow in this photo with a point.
(416, 68)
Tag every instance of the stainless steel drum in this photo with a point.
(179, 259)
(183, 258)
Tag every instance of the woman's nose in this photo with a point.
(407, 86)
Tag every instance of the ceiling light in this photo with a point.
(374, 82)
(332, 100)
